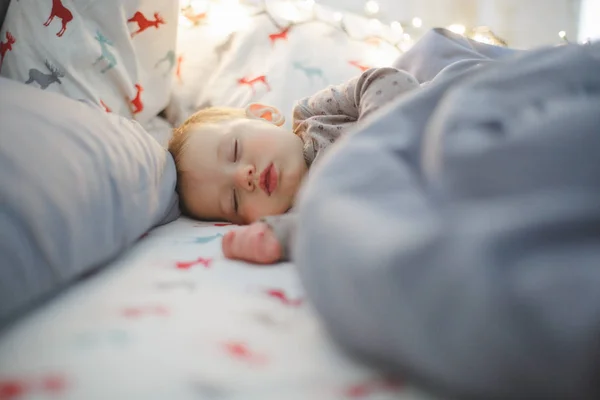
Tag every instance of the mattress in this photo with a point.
(173, 319)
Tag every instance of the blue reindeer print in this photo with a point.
(106, 55)
(170, 59)
(310, 72)
(207, 239)
(45, 80)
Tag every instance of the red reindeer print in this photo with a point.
(5, 47)
(12, 389)
(241, 352)
(195, 19)
(360, 66)
(281, 35)
(252, 82)
(108, 110)
(282, 296)
(54, 384)
(178, 69)
(136, 312)
(366, 389)
(145, 23)
(136, 106)
(15, 388)
(62, 12)
(189, 264)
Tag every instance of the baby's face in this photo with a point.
(240, 170)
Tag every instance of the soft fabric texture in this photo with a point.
(192, 325)
(331, 112)
(440, 48)
(479, 273)
(77, 186)
(117, 54)
(275, 53)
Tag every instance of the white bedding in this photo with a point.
(271, 51)
(153, 326)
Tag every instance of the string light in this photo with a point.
(406, 42)
(484, 34)
(562, 34)
(375, 24)
(371, 7)
(183, 21)
(478, 37)
(223, 17)
(199, 6)
(290, 12)
(397, 27)
(307, 4)
(458, 29)
(226, 17)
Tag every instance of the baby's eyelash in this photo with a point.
(235, 202)
(235, 151)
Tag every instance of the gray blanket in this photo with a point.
(456, 238)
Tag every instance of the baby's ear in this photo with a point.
(267, 113)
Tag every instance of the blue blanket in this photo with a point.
(456, 238)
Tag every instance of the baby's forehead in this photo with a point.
(206, 137)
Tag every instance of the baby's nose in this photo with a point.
(245, 176)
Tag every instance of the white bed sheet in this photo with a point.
(154, 326)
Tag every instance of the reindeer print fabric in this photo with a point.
(116, 54)
(276, 53)
(173, 319)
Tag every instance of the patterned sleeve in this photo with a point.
(284, 228)
(322, 118)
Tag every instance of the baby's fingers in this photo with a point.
(266, 248)
(255, 243)
(241, 243)
(228, 244)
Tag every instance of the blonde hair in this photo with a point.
(181, 134)
(210, 115)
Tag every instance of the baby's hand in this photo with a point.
(255, 243)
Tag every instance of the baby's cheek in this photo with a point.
(249, 212)
(257, 208)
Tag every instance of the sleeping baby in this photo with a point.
(240, 165)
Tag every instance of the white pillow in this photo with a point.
(247, 54)
(84, 49)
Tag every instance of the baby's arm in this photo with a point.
(322, 118)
